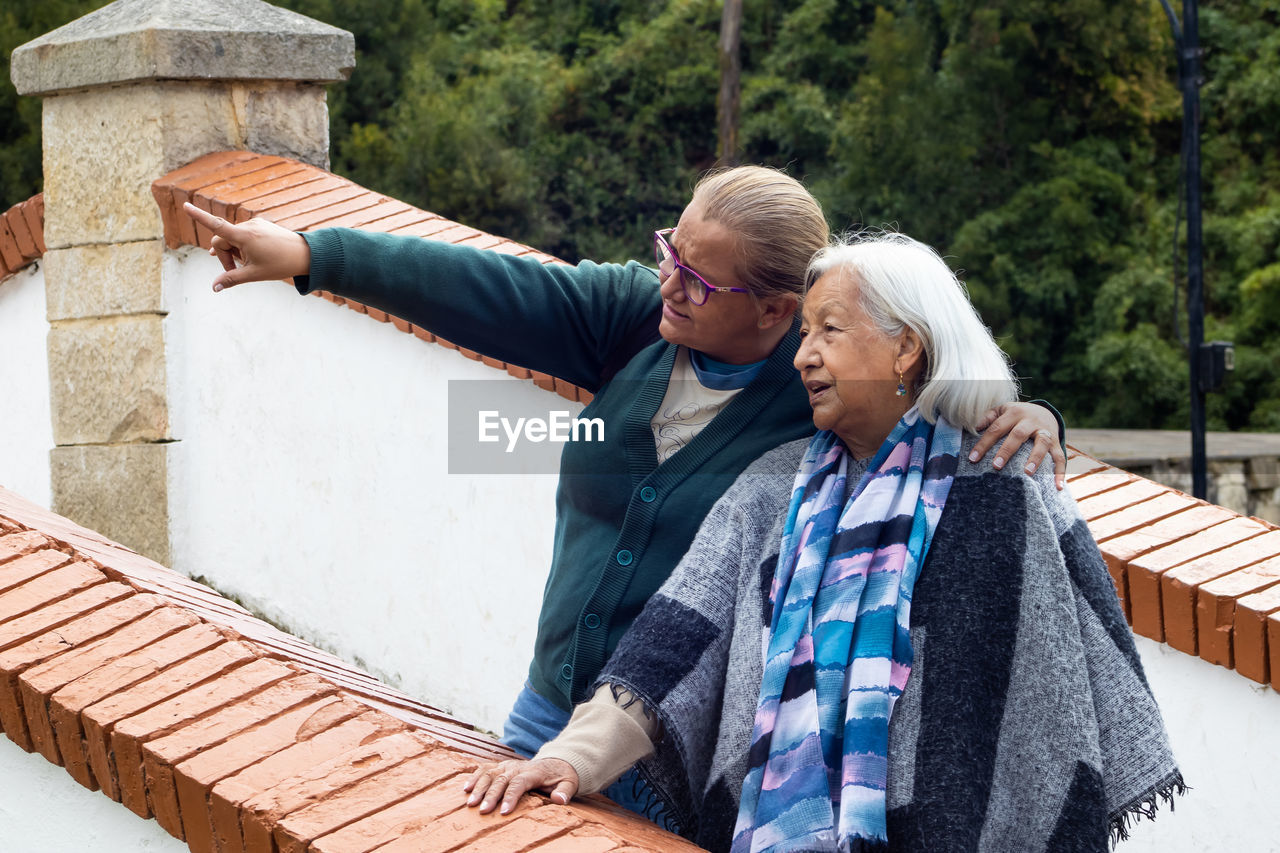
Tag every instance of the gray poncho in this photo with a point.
(1026, 725)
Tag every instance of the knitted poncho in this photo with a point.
(1026, 725)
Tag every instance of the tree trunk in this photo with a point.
(730, 81)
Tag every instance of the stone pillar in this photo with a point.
(131, 92)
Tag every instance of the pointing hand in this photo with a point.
(257, 250)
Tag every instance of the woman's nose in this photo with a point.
(806, 355)
(671, 289)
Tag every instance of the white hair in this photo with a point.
(903, 283)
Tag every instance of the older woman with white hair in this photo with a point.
(875, 643)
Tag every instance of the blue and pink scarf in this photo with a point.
(838, 650)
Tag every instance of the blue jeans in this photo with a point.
(534, 720)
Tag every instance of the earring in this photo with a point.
(902, 388)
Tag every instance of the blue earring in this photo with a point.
(902, 388)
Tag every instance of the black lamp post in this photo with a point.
(1208, 362)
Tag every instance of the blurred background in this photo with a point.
(1035, 143)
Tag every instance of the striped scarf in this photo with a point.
(838, 651)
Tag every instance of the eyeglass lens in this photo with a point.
(694, 288)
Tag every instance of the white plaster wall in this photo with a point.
(1225, 732)
(34, 792)
(26, 430)
(309, 480)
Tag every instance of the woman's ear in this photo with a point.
(774, 310)
(911, 356)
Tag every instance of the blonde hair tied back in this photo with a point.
(779, 225)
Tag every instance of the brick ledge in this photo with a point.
(234, 736)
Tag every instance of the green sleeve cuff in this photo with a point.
(1062, 424)
(327, 261)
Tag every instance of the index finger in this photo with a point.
(216, 224)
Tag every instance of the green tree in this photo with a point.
(21, 175)
(1034, 142)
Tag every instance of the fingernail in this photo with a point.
(506, 809)
(999, 463)
(973, 457)
(560, 798)
(217, 288)
(1031, 469)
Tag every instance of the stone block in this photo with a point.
(182, 40)
(1228, 485)
(1176, 474)
(120, 491)
(104, 147)
(107, 381)
(285, 119)
(1263, 472)
(102, 150)
(1265, 504)
(105, 280)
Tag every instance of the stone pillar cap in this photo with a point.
(182, 40)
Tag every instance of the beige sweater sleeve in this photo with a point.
(603, 739)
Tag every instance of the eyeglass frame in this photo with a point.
(659, 242)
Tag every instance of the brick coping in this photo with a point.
(234, 736)
(21, 235)
(238, 185)
(1198, 577)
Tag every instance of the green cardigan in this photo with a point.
(622, 520)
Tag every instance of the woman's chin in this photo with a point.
(672, 333)
(822, 420)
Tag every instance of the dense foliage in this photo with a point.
(1036, 142)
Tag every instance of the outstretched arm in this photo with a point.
(569, 321)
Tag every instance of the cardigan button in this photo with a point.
(566, 672)
(592, 621)
(648, 493)
(625, 557)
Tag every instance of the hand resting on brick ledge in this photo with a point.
(507, 781)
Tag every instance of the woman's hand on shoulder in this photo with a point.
(1017, 424)
(257, 250)
(506, 782)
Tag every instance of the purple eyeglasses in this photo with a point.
(695, 286)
